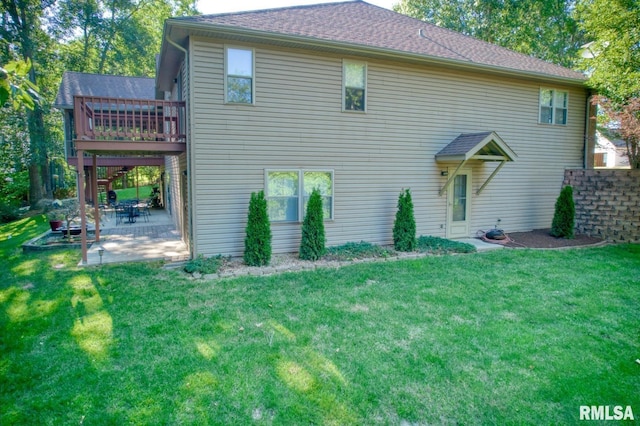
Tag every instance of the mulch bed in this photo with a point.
(540, 238)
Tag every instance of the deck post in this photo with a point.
(83, 218)
(96, 201)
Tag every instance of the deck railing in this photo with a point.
(115, 119)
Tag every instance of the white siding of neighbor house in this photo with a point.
(413, 111)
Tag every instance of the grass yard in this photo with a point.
(505, 337)
(142, 193)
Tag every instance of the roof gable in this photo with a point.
(108, 86)
(478, 146)
(359, 24)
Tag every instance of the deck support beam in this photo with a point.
(96, 204)
(83, 216)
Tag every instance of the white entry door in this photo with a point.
(459, 205)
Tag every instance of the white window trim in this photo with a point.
(553, 106)
(253, 74)
(344, 85)
(300, 191)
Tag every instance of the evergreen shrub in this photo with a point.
(312, 245)
(564, 216)
(404, 227)
(257, 242)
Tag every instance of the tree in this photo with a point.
(404, 226)
(15, 86)
(257, 242)
(626, 116)
(564, 216)
(612, 57)
(544, 29)
(313, 239)
(23, 29)
(114, 36)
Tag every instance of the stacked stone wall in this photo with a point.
(607, 203)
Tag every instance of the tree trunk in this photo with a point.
(35, 185)
(38, 159)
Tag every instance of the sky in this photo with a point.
(208, 7)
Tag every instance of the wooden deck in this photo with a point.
(128, 126)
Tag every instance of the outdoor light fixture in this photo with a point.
(100, 253)
(444, 173)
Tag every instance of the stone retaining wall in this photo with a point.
(607, 203)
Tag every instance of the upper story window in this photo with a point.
(288, 192)
(554, 105)
(354, 75)
(239, 81)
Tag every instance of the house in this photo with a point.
(610, 152)
(361, 102)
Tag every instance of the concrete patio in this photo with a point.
(155, 239)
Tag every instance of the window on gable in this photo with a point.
(553, 106)
(355, 85)
(239, 81)
(288, 192)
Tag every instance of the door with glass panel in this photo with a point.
(459, 205)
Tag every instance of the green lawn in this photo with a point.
(142, 193)
(506, 337)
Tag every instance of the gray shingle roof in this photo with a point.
(357, 23)
(112, 86)
(467, 145)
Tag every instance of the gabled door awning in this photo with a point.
(485, 146)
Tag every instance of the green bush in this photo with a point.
(361, 250)
(8, 213)
(313, 240)
(564, 216)
(257, 243)
(204, 265)
(404, 227)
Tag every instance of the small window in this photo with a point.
(288, 192)
(553, 106)
(355, 85)
(239, 81)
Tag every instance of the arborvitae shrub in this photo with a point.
(257, 243)
(404, 227)
(564, 216)
(312, 243)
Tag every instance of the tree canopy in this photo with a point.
(612, 56)
(544, 29)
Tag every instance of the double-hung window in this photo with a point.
(554, 105)
(239, 83)
(288, 192)
(354, 76)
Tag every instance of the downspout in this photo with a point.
(187, 121)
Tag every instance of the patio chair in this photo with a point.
(143, 211)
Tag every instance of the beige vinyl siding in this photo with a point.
(412, 112)
(175, 165)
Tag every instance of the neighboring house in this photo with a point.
(610, 152)
(362, 102)
(605, 152)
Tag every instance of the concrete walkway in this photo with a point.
(480, 245)
(155, 239)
